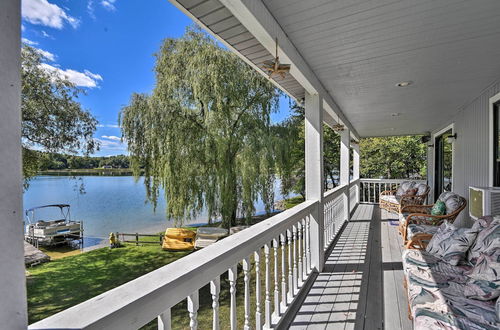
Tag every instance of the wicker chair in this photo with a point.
(394, 200)
(417, 222)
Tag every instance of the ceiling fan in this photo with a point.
(275, 67)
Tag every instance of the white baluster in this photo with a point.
(290, 272)
(300, 241)
(276, 279)
(267, 312)
(215, 291)
(232, 276)
(308, 244)
(283, 270)
(294, 273)
(304, 265)
(164, 320)
(258, 323)
(246, 281)
(193, 305)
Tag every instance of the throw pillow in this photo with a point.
(412, 192)
(487, 240)
(450, 243)
(484, 283)
(439, 208)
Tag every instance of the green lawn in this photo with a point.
(62, 283)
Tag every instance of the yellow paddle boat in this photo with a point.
(178, 239)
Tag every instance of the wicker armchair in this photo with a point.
(417, 225)
(394, 200)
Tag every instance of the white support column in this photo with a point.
(355, 165)
(355, 169)
(314, 175)
(345, 144)
(13, 311)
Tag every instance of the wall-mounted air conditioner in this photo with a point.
(484, 201)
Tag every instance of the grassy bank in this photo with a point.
(62, 283)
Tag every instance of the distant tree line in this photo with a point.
(57, 161)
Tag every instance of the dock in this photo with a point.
(33, 256)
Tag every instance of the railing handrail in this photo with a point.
(141, 300)
(391, 180)
(332, 193)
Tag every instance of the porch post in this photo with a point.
(314, 174)
(355, 161)
(355, 168)
(13, 311)
(345, 144)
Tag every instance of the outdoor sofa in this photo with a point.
(408, 193)
(455, 282)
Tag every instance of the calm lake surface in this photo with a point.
(109, 203)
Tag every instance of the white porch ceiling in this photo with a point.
(361, 49)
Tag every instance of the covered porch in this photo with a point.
(374, 68)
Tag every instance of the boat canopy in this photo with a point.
(61, 206)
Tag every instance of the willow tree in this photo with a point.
(204, 135)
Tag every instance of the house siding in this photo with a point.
(471, 149)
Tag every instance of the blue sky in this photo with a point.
(106, 47)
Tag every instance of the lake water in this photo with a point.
(109, 203)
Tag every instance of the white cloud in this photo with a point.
(106, 145)
(90, 9)
(45, 54)
(44, 13)
(109, 4)
(46, 35)
(111, 137)
(82, 79)
(29, 42)
(108, 125)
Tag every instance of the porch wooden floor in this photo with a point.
(362, 284)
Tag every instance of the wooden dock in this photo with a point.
(33, 256)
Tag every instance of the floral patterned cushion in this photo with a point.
(451, 200)
(487, 240)
(451, 243)
(404, 187)
(497, 308)
(421, 188)
(463, 315)
(436, 299)
(390, 198)
(439, 208)
(414, 229)
(484, 283)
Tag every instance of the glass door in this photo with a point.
(444, 163)
(496, 144)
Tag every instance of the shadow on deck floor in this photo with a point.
(361, 286)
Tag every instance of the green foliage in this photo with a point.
(295, 178)
(396, 157)
(44, 161)
(204, 135)
(52, 119)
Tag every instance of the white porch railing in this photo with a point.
(335, 206)
(280, 247)
(281, 242)
(370, 189)
(334, 213)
